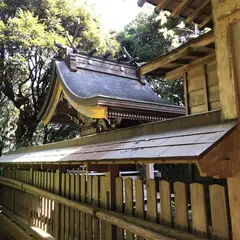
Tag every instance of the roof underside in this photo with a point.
(170, 141)
(198, 11)
(194, 52)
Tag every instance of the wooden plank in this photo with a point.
(49, 212)
(45, 204)
(67, 209)
(198, 10)
(119, 205)
(129, 203)
(181, 206)
(77, 198)
(83, 200)
(161, 5)
(139, 201)
(179, 8)
(219, 213)
(197, 98)
(62, 207)
(96, 233)
(165, 203)
(51, 202)
(186, 99)
(89, 201)
(57, 182)
(178, 72)
(205, 87)
(151, 200)
(72, 211)
(103, 204)
(199, 217)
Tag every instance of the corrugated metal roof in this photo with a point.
(189, 143)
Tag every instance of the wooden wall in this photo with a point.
(201, 88)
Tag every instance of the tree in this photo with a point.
(152, 35)
(28, 30)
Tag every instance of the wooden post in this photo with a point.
(150, 171)
(226, 16)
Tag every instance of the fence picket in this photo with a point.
(199, 216)
(89, 201)
(151, 200)
(119, 204)
(72, 211)
(139, 201)
(103, 203)
(181, 211)
(219, 213)
(77, 198)
(67, 209)
(129, 203)
(83, 200)
(165, 203)
(62, 207)
(96, 234)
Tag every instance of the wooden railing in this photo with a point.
(73, 206)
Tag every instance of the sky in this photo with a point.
(115, 14)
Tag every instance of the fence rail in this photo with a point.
(74, 206)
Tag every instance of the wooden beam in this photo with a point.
(205, 87)
(178, 72)
(161, 5)
(141, 2)
(205, 21)
(179, 8)
(186, 100)
(200, 8)
(177, 53)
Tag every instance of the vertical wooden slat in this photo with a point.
(96, 233)
(67, 209)
(46, 203)
(220, 222)
(129, 203)
(186, 99)
(181, 211)
(119, 205)
(83, 200)
(109, 204)
(62, 207)
(205, 88)
(151, 200)
(89, 201)
(38, 202)
(72, 211)
(77, 198)
(42, 200)
(165, 203)
(56, 220)
(102, 204)
(139, 201)
(199, 217)
(49, 203)
(52, 202)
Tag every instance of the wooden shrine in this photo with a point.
(111, 207)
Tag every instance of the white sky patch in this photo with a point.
(115, 14)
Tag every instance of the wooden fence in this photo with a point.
(195, 208)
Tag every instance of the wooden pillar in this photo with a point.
(150, 171)
(226, 16)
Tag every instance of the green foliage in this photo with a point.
(152, 35)
(28, 30)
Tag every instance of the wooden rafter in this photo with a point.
(199, 10)
(206, 21)
(180, 7)
(180, 52)
(161, 5)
